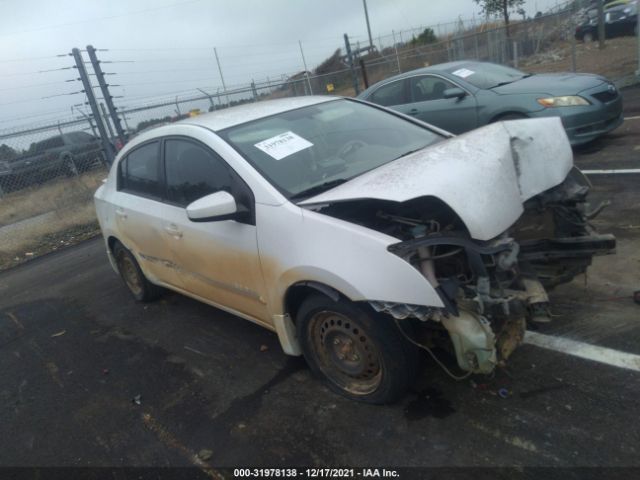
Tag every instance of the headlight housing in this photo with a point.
(565, 101)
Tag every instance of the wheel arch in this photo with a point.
(299, 291)
(111, 242)
(497, 117)
(295, 295)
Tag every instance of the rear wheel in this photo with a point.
(588, 37)
(141, 288)
(360, 354)
(69, 166)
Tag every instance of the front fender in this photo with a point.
(298, 245)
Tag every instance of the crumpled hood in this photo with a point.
(485, 175)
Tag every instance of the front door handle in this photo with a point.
(173, 230)
(414, 111)
(121, 213)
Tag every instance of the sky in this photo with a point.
(163, 48)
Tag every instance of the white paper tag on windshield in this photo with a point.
(283, 145)
(463, 72)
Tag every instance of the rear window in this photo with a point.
(391, 94)
(139, 172)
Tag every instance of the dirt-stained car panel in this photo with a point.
(359, 235)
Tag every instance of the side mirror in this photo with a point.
(215, 206)
(454, 93)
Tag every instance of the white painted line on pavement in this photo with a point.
(607, 172)
(587, 351)
(632, 118)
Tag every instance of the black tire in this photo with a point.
(141, 288)
(360, 354)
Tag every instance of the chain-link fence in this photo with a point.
(559, 42)
(49, 172)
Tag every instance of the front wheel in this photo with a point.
(360, 354)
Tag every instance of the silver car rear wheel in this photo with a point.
(141, 288)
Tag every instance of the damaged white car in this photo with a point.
(358, 234)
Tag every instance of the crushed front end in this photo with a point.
(492, 219)
(491, 289)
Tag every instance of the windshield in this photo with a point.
(305, 151)
(487, 75)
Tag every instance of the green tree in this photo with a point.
(7, 153)
(426, 37)
(500, 7)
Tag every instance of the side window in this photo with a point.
(139, 172)
(390, 94)
(428, 88)
(193, 171)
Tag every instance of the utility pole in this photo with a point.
(126, 124)
(354, 74)
(365, 78)
(106, 95)
(306, 72)
(224, 87)
(254, 92)
(88, 89)
(93, 129)
(601, 24)
(213, 105)
(395, 46)
(105, 116)
(366, 16)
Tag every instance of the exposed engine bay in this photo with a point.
(489, 289)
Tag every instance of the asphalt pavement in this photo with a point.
(91, 378)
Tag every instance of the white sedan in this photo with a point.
(359, 235)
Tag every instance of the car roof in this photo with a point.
(619, 8)
(439, 68)
(229, 117)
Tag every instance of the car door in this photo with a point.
(456, 115)
(218, 260)
(139, 213)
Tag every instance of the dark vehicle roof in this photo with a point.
(439, 68)
(618, 9)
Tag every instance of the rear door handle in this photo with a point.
(173, 230)
(414, 111)
(121, 212)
